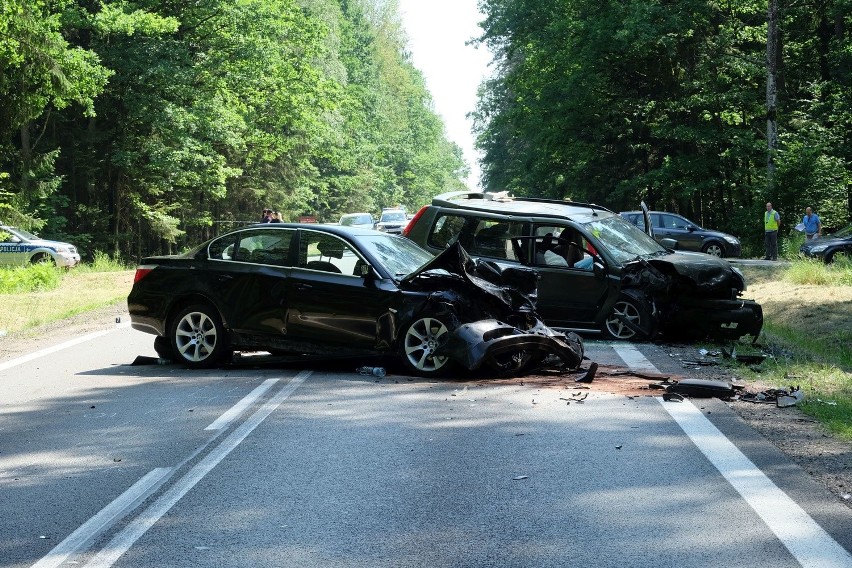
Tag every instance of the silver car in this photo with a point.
(18, 247)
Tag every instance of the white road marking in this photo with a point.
(222, 422)
(632, 357)
(90, 529)
(140, 525)
(53, 349)
(803, 537)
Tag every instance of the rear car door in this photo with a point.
(248, 273)
(331, 302)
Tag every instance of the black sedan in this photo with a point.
(342, 291)
(830, 247)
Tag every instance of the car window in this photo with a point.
(393, 216)
(673, 222)
(480, 236)
(349, 220)
(327, 253)
(562, 246)
(257, 247)
(399, 256)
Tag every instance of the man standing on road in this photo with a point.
(771, 223)
(813, 226)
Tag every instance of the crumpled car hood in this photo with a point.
(706, 272)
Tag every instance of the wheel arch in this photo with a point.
(186, 300)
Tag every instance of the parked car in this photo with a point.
(358, 220)
(598, 272)
(335, 290)
(18, 247)
(830, 247)
(392, 220)
(688, 235)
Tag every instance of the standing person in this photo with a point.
(813, 226)
(771, 223)
(276, 217)
(266, 216)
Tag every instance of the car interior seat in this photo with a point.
(323, 265)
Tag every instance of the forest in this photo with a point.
(140, 127)
(669, 101)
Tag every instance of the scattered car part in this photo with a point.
(702, 388)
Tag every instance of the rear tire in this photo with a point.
(635, 309)
(197, 337)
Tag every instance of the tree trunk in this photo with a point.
(772, 58)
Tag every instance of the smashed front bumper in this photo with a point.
(508, 349)
(722, 319)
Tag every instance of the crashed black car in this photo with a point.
(831, 247)
(598, 272)
(342, 291)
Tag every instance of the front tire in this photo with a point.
(714, 249)
(417, 348)
(837, 255)
(631, 308)
(197, 337)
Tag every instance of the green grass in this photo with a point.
(32, 278)
(808, 329)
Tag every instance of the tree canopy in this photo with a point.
(142, 126)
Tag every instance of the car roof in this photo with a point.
(506, 204)
(341, 230)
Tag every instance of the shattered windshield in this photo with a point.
(400, 256)
(624, 240)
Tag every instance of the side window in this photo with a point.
(327, 253)
(446, 230)
(257, 247)
(638, 220)
(656, 220)
(491, 238)
(561, 246)
(673, 222)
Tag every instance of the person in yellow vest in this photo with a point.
(771, 223)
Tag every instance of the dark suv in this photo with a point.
(689, 235)
(598, 272)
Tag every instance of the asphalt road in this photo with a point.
(266, 464)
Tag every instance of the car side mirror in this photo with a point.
(598, 268)
(669, 243)
(690, 228)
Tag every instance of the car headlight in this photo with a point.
(818, 248)
(732, 240)
(61, 249)
(743, 287)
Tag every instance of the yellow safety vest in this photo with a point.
(770, 223)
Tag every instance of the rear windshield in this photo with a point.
(364, 219)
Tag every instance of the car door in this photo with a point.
(570, 292)
(331, 302)
(247, 272)
(13, 251)
(680, 229)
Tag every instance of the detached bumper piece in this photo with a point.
(509, 350)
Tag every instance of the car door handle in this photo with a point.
(302, 286)
(225, 277)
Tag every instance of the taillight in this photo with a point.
(407, 230)
(143, 271)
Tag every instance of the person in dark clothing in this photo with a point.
(266, 216)
(276, 217)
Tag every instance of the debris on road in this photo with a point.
(782, 398)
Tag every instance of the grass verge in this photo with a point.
(807, 311)
(41, 294)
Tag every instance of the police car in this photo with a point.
(18, 247)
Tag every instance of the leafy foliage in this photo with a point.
(191, 117)
(613, 102)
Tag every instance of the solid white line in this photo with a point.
(222, 422)
(94, 526)
(632, 357)
(802, 536)
(140, 525)
(53, 349)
